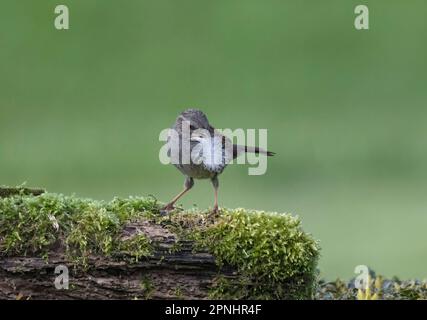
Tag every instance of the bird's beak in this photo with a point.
(196, 139)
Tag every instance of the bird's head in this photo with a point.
(196, 119)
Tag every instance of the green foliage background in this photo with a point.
(81, 110)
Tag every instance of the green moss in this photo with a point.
(30, 225)
(274, 257)
(271, 246)
(380, 288)
(147, 287)
(177, 292)
(136, 247)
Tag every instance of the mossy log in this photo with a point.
(7, 192)
(125, 249)
(163, 275)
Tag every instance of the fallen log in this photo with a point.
(125, 249)
(185, 275)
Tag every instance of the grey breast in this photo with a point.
(198, 170)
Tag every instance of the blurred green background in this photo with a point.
(81, 110)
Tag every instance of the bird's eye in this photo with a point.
(192, 127)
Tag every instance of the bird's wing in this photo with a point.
(227, 146)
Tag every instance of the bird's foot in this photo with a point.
(166, 209)
(214, 213)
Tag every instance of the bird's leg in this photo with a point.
(189, 183)
(215, 184)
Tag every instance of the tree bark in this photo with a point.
(186, 274)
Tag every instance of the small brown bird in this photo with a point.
(203, 162)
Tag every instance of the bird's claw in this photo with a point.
(166, 209)
(214, 213)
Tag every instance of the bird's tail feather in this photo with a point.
(238, 150)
